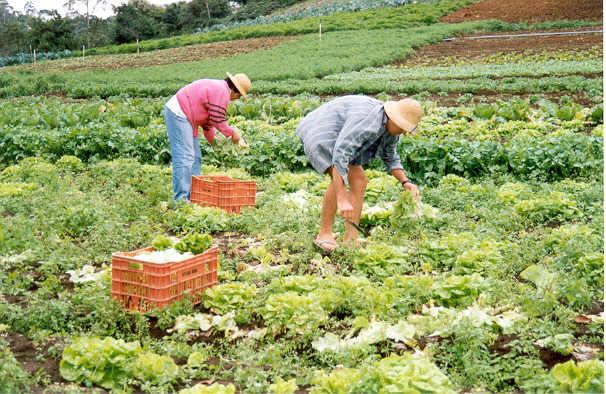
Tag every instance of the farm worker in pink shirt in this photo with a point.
(202, 103)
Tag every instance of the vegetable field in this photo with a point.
(493, 281)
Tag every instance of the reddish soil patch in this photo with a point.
(514, 11)
(156, 58)
(464, 47)
(475, 49)
(33, 357)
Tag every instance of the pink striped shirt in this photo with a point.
(204, 103)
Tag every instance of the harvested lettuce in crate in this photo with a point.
(162, 242)
(196, 243)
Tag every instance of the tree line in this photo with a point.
(48, 31)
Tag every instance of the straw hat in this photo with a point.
(405, 113)
(241, 82)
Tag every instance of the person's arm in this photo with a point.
(217, 113)
(390, 157)
(406, 183)
(344, 206)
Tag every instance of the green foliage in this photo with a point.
(556, 207)
(102, 362)
(484, 111)
(154, 369)
(214, 388)
(12, 376)
(236, 296)
(458, 290)
(196, 243)
(192, 217)
(381, 261)
(568, 111)
(283, 387)
(392, 374)
(298, 314)
(314, 59)
(597, 114)
(162, 242)
(586, 376)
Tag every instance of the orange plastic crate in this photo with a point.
(142, 285)
(223, 192)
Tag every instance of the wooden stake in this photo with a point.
(320, 30)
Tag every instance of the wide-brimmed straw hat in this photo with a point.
(405, 113)
(241, 82)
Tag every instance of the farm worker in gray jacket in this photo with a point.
(345, 134)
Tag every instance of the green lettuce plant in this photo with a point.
(196, 243)
(586, 376)
(393, 374)
(104, 362)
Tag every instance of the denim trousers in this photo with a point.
(185, 153)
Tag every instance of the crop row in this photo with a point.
(573, 84)
(271, 74)
(528, 56)
(278, 148)
(524, 69)
(533, 116)
(301, 58)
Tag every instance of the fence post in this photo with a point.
(82, 52)
(34, 55)
(320, 29)
(137, 46)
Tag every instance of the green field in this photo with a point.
(493, 281)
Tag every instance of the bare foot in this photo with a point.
(326, 244)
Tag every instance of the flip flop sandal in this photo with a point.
(323, 250)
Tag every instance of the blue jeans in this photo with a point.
(185, 152)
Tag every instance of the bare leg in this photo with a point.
(329, 209)
(357, 188)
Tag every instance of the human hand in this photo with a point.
(413, 188)
(243, 144)
(345, 209)
(235, 138)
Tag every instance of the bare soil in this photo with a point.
(465, 48)
(470, 48)
(157, 58)
(514, 11)
(33, 356)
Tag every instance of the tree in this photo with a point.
(13, 37)
(6, 10)
(136, 20)
(94, 31)
(202, 12)
(92, 4)
(171, 19)
(50, 32)
(29, 9)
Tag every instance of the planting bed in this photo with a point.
(192, 53)
(529, 11)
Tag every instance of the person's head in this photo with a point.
(403, 116)
(239, 85)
